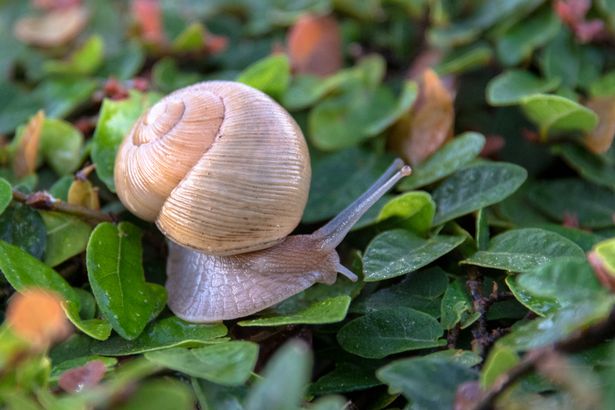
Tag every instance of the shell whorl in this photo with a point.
(219, 166)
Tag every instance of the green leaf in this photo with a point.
(604, 86)
(115, 120)
(590, 205)
(167, 76)
(163, 334)
(23, 271)
(408, 96)
(83, 61)
(59, 368)
(6, 194)
(520, 41)
(67, 236)
(500, 360)
(271, 75)
(160, 394)
(214, 396)
(346, 119)
(115, 271)
(389, 331)
(228, 363)
(330, 310)
(449, 158)
(594, 168)
(465, 59)
(61, 145)
(476, 187)
(338, 179)
(22, 226)
(98, 329)
(605, 251)
(347, 377)
(284, 380)
(523, 250)
(428, 382)
(575, 64)
(413, 211)
(553, 114)
(396, 252)
(512, 86)
(456, 307)
(421, 290)
(192, 39)
(563, 283)
(539, 305)
(550, 329)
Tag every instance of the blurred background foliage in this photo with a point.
(504, 108)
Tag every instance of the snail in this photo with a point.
(224, 171)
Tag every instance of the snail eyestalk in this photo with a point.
(332, 234)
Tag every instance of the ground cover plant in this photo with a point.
(486, 277)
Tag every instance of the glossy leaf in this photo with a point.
(591, 206)
(67, 236)
(476, 187)
(449, 158)
(340, 178)
(394, 253)
(61, 145)
(284, 379)
(592, 167)
(349, 376)
(553, 114)
(512, 86)
(522, 250)
(500, 360)
(413, 211)
(115, 120)
(388, 331)
(116, 276)
(430, 382)
(163, 334)
(228, 363)
(6, 194)
(84, 60)
(270, 75)
(421, 290)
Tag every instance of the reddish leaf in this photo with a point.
(148, 15)
(601, 138)
(573, 14)
(315, 45)
(55, 4)
(24, 161)
(467, 395)
(36, 316)
(52, 29)
(428, 125)
(82, 378)
(493, 145)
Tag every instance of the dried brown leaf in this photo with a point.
(25, 158)
(601, 138)
(36, 316)
(83, 193)
(429, 123)
(315, 45)
(54, 28)
(83, 377)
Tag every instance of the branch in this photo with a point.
(576, 342)
(45, 201)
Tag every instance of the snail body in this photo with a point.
(224, 171)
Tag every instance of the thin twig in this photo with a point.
(576, 342)
(45, 201)
(479, 330)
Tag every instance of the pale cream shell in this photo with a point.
(219, 166)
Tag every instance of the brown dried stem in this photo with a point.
(45, 201)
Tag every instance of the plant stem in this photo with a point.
(45, 201)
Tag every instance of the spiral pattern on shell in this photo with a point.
(220, 167)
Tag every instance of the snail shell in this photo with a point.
(219, 166)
